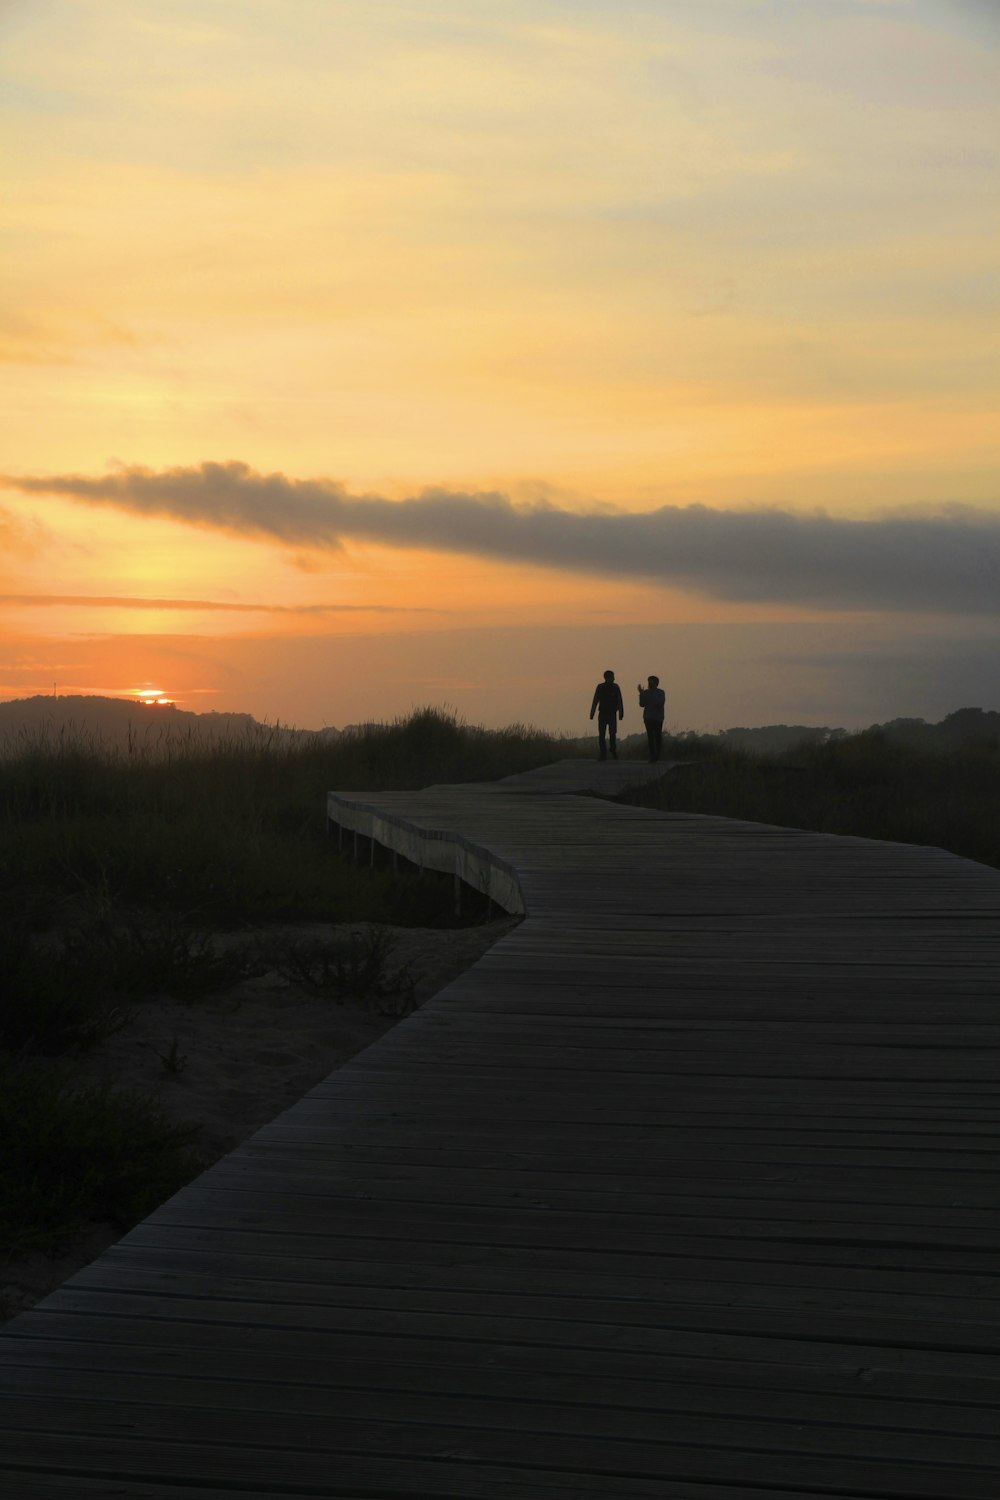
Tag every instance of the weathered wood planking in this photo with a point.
(685, 1191)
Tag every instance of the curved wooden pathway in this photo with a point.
(685, 1190)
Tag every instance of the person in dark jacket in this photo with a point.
(653, 701)
(607, 704)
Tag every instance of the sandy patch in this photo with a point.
(230, 1063)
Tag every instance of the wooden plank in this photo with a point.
(497, 1324)
(187, 1441)
(954, 1301)
(349, 1478)
(526, 1264)
(910, 1372)
(709, 1385)
(172, 1266)
(763, 1209)
(887, 1432)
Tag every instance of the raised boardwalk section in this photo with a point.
(686, 1191)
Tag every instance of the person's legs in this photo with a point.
(613, 735)
(603, 724)
(656, 738)
(651, 737)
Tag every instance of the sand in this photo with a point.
(231, 1062)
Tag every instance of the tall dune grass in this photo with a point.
(873, 785)
(229, 831)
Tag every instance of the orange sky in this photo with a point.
(605, 258)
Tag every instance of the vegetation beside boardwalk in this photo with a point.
(913, 787)
(118, 866)
(229, 832)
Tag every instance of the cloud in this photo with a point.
(947, 563)
(128, 601)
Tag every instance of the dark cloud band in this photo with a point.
(948, 563)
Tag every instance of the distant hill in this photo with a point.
(772, 739)
(120, 723)
(966, 726)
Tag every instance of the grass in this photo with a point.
(873, 785)
(117, 870)
(74, 1154)
(233, 832)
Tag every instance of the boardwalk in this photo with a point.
(686, 1190)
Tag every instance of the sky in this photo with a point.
(358, 357)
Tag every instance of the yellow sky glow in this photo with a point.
(629, 254)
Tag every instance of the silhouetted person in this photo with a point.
(653, 701)
(609, 708)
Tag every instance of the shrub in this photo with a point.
(73, 1155)
(52, 1002)
(356, 967)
